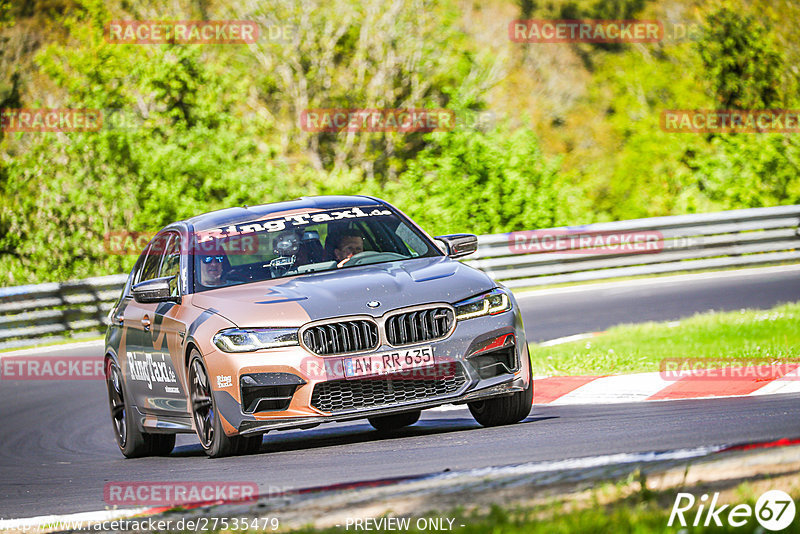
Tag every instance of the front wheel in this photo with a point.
(207, 422)
(504, 410)
(132, 442)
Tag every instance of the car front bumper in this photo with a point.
(464, 350)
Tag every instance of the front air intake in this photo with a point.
(342, 337)
(394, 390)
(412, 327)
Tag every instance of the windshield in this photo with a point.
(303, 243)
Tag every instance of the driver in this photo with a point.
(211, 271)
(348, 245)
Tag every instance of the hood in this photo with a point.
(297, 300)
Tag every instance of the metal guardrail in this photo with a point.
(44, 312)
(671, 244)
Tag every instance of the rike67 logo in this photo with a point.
(774, 510)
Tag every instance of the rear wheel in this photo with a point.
(132, 442)
(394, 421)
(207, 421)
(504, 410)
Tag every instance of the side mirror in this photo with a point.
(155, 290)
(459, 245)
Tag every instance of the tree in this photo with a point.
(744, 66)
(364, 55)
(186, 147)
(483, 182)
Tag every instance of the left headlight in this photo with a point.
(491, 303)
(247, 340)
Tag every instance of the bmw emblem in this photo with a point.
(373, 304)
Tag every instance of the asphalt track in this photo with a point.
(562, 312)
(57, 449)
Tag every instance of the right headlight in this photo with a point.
(491, 303)
(250, 339)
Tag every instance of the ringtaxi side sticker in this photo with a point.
(224, 381)
(151, 367)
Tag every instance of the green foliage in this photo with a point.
(470, 181)
(742, 62)
(582, 9)
(638, 170)
(643, 175)
(6, 15)
(624, 506)
(180, 152)
(750, 170)
(747, 71)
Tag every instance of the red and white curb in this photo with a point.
(672, 385)
(561, 390)
(640, 387)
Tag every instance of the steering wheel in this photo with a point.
(371, 256)
(238, 274)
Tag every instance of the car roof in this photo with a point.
(223, 217)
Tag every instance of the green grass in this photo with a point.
(750, 336)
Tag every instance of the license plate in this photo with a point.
(385, 363)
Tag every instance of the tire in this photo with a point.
(207, 422)
(132, 442)
(395, 421)
(504, 410)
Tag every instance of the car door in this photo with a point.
(164, 347)
(135, 318)
(158, 387)
(138, 320)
